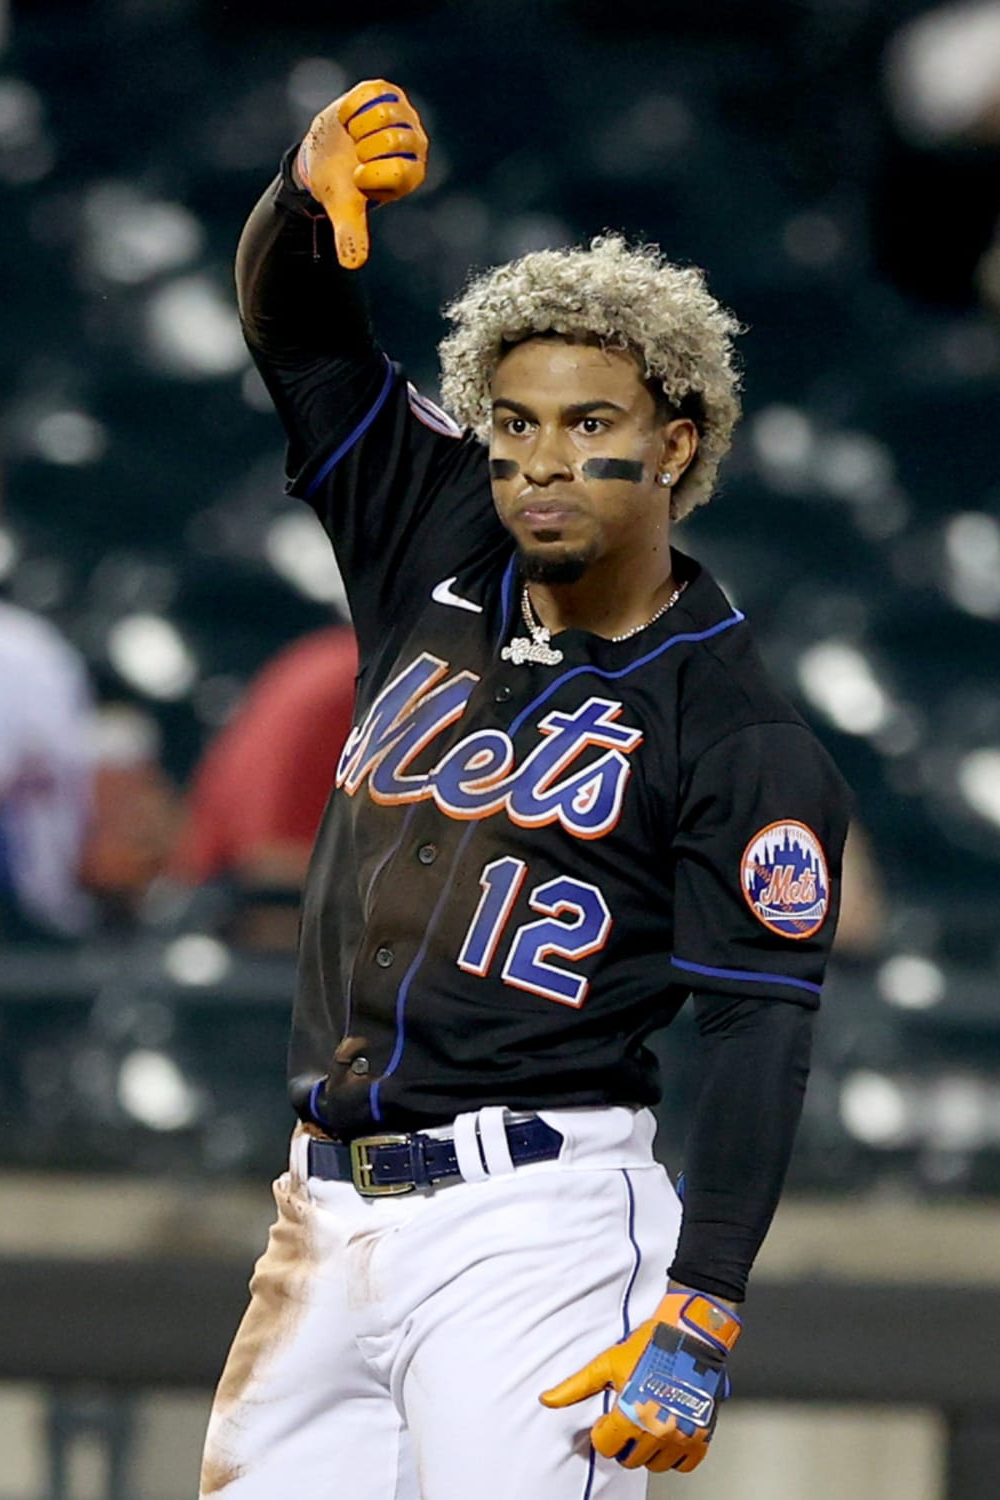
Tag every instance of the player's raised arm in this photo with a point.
(304, 316)
(402, 496)
(366, 147)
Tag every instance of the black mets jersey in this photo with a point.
(523, 869)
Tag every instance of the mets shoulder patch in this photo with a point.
(785, 880)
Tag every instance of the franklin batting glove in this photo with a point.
(368, 146)
(670, 1376)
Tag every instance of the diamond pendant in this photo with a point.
(536, 652)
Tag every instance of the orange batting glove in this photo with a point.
(670, 1376)
(368, 146)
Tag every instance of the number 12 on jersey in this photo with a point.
(575, 921)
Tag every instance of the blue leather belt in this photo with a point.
(384, 1165)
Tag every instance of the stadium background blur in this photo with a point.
(834, 165)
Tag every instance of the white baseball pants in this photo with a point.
(395, 1348)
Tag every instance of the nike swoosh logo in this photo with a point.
(442, 593)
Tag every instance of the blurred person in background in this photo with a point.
(863, 901)
(87, 816)
(259, 790)
(135, 813)
(46, 780)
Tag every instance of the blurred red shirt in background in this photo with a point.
(258, 793)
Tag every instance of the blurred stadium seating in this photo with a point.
(859, 523)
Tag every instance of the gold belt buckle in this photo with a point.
(362, 1169)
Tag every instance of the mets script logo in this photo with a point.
(785, 880)
(556, 782)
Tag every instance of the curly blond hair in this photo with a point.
(625, 296)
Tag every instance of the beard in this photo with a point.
(565, 567)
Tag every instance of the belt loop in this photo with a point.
(470, 1162)
(493, 1135)
(418, 1161)
(298, 1156)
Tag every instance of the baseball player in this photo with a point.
(570, 799)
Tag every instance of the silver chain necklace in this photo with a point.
(678, 591)
(537, 651)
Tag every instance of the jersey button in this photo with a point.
(360, 1066)
(384, 956)
(427, 854)
(501, 692)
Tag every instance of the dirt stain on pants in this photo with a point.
(279, 1298)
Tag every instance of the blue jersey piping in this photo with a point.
(747, 974)
(359, 432)
(675, 640)
(626, 1318)
(637, 1256)
(505, 596)
(374, 1091)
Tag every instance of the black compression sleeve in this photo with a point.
(294, 295)
(305, 320)
(755, 1062)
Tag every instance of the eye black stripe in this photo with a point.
(614, 468)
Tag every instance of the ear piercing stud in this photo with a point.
(665, 478)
